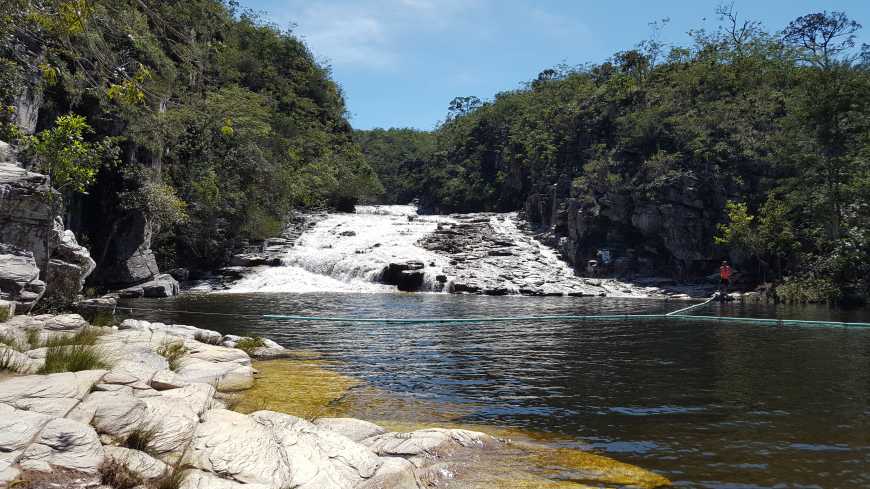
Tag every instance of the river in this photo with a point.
(704, 404)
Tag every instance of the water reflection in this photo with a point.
(703, 403)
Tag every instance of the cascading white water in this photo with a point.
(348, 252)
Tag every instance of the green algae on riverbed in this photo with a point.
(307, 387)
(302, 387)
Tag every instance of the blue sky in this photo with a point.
(400, 62)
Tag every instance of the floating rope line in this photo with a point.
(591, 317)
(678, 311)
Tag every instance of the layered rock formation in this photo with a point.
(663, 231)
(38, 257)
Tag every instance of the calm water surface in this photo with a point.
(705, 404)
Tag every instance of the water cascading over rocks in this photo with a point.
(390, 248)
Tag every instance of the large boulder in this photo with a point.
(19, 277)
(221, 446)
(68, 268)
(64, 444)
(129, 259)
(163, 285)
(54, 394)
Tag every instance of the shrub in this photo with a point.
(248, 345)
(73, 358)
(172, 351)
(808, 290)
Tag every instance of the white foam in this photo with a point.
(348, 252)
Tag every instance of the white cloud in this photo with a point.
(369, 33)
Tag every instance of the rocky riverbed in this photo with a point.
(155, 410)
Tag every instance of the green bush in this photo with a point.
(808, 290)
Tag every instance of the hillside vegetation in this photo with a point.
(211, 124)
(744, 144)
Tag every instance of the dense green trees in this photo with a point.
(224, 122)
(776, 124)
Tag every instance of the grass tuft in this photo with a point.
(85, 336)
(12, 341)
(172, 480)
(173, 352)
(248, 345)
(102, 318)
(34, 339)
(117, 475)
(141, 438)
(73, 358)
(8, 362)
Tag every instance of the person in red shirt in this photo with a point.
(725, 277)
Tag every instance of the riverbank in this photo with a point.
(145, 403)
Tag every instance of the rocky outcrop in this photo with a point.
(26, 210)
(665, 230)
(19, 278)
(29, 224)
(489, 254)
(406, 276)
(163, 285)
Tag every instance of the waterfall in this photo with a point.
(481, 253)
(348, 253)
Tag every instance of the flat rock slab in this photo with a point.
(54, 395)
(114, 413)
(183, 330)
(354, 429)
(65, 322)
(433, 442)
(227, 376)
(138, 463)
(17, 430)
(197, 479)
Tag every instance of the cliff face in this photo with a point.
(665, 231)
(39, 259)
